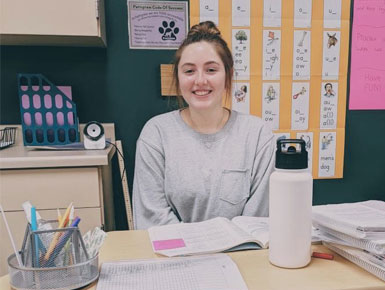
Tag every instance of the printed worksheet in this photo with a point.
(241, 12)
(332, 13)
(188, 273)
(240, 100)
(300, 106)
(209, 10)
(270, 104)
(327, 154)
(308, 138)
(329, 102)
(272, 11)
(301, 55)
(302, 13)
(241, 54)
(331, 55)
(271, 54)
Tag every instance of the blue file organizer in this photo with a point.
(48, 116)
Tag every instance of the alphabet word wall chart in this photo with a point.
(290, 69)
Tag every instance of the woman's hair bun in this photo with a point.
(207, 28)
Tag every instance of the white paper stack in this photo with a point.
(356, 231)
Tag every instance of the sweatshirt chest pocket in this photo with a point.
(235, 186)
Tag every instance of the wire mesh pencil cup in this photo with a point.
(63, 265)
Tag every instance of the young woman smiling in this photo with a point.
(202, 161)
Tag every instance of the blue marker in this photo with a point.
(34, 228)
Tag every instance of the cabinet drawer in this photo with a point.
(90, 218)
(49, 17)
(50, 188)
(50, 22)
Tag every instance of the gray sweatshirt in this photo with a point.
(185, 176)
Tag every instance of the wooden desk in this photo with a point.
(51, 180)
(254, 267)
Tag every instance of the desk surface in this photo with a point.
(253, 265)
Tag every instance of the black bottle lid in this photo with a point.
(291, 158)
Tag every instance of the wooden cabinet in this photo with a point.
(51, 180)
(52, 22)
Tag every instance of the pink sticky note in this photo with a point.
(367, 77)
(168, 244)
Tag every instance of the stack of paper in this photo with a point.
(356, 231)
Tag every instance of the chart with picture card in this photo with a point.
(290, 69)
(270, 104)
(240, 97)
(241, 54)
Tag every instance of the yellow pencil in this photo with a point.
(58, 216)
(57, 235)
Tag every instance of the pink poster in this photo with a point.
(367, 73)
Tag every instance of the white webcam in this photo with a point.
(94, 137)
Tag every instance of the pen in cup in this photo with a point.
(35, 236)
(58, 216)
(17, 254)
(61, 243)
(57, 235)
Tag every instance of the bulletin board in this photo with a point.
(290, 69)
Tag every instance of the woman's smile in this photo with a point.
(202, 93)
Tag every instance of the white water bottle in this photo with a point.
(290, 206)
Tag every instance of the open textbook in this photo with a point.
(211, 236)
(360, 219)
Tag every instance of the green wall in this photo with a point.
(119, 85)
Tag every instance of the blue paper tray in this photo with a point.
(48, 116)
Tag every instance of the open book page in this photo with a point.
(214, 235)
(258, 227)
(360, 219)
(189, 273)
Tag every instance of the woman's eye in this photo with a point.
(188, 71)
(211, 70)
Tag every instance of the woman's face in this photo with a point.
(201, 76)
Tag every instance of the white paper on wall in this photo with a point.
(270, 104)
(331, 55)
(332, 13)
(281, 136)
(329, 102)
(300, 106)
(240, 97)
(271, 54)
(241, 53)
(301, 55)
(308, 138)
(272, 11)
(209, 10)
(302, 13)
(241, 12)
(327, 154)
